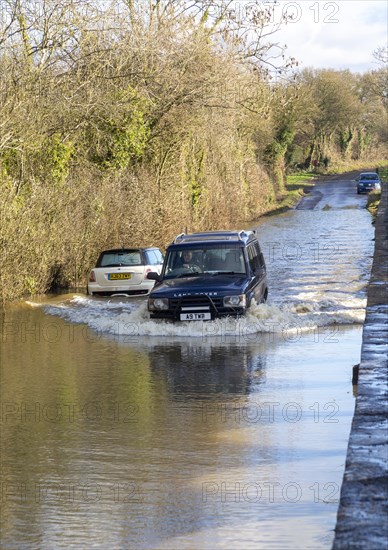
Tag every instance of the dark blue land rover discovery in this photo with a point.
(209, 275)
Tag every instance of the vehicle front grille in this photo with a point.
(198, 303)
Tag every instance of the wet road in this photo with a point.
(333, 192)
(122, 432)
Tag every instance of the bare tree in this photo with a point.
(381, 55)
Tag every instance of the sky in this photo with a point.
(341, 35)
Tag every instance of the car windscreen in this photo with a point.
(367, 177)
(208, 260)
(120, 258)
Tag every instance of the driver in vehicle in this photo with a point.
(189, 261)
(187, 258)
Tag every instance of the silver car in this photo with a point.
(123, 271)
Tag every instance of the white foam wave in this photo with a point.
(126, 317)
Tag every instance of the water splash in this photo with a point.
(126, 317)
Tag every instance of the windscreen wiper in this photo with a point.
(191, 274)
(228, 273)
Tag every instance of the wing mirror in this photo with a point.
(153, 276)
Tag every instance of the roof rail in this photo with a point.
(179, 237)
(240, 234)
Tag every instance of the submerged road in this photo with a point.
(122, 432)
(333, 192)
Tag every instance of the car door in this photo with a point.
(257, 271)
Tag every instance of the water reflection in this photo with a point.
(195, 369)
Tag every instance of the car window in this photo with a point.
(259, 254)
(254, 258)
(369, 177)
(234, 261)
(125, 258)
(210, 260)
(176, 259)
(151, 257)
(159, 256)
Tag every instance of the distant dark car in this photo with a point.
(123, 271)
(368, 181)
(209, 275)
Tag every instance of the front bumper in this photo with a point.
(142, 289)
(197, 304)
(368, 189)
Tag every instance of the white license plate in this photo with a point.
(195, 316)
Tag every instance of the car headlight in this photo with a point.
(235, 301)
(158, 303)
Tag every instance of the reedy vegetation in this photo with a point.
(126, 122)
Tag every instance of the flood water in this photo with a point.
(121, 432)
